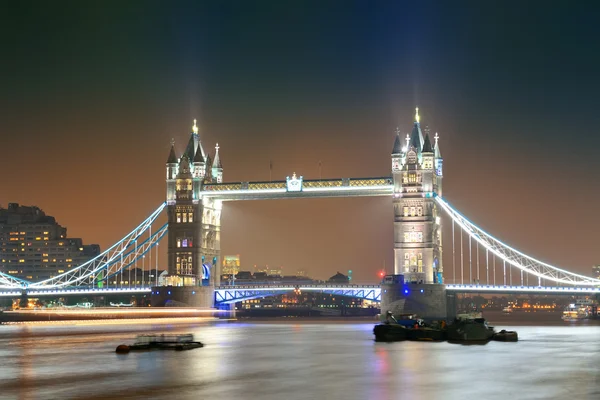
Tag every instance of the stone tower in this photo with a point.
(417, 173)
(194, 227)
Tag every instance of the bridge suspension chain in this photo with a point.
(115, 257)
(511, 256)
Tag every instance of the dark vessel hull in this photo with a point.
(390, 333)
(506, 336)
(470, 331)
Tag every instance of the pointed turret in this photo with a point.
(171, 173)
(217, 168)
(397, 143)
(172, 157)
(438, 153)
(198, 162)
(416, 137)
(198, 157)
(208, 173)
(427, 145)
(217, 160)
(190, 149)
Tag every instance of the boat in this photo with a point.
(407, 327)
(390, 332)
(506, 336)
(582, 309)
(470, 330)
(161, 342)
(427, 334)
(507, 310)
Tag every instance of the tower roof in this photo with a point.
(190, 148)
(427, 145)
(208, 170)
(416, 137)
(438, 153)
(198, 158)
(172, 157)
(397, 144)
(217, 160)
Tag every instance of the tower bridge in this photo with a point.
(196, 192)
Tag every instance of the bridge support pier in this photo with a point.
(427, 301)
(183, 296)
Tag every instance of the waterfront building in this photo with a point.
(231, 265)
(596, 271)
(34, 247)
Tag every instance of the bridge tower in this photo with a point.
(417, 283)
(417, 173)
(194, 250)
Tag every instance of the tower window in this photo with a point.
(412, 211)
(419, 211)
(406, 211)
(190, 217)
(184, 217)
(178, 217)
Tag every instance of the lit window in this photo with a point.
(184, 217)
(38, 238)
(61, 270)
(419, 211)
(21, 261)
(178, 242)
(406, 211)
(178, 217)
(184, 243)
(190, 217)
(412, 211)
(60, 243)
(46, 238)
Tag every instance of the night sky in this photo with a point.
(92, 93)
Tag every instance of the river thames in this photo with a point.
(295, 359)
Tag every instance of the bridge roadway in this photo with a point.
(234, 293)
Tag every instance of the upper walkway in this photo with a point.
(296, 187)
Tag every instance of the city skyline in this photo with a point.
(102, 136)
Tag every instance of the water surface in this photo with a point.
(296, 360)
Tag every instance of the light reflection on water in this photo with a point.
(306, 360)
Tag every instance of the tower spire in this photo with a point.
(172, 157)
(195, 128)
(436, 147)
(416, 137)
(397, 143)
(217, 160)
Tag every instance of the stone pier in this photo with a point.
(427, 301)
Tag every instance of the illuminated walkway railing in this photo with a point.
(234, 294)
(523, 289)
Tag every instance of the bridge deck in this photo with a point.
(299, 188)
